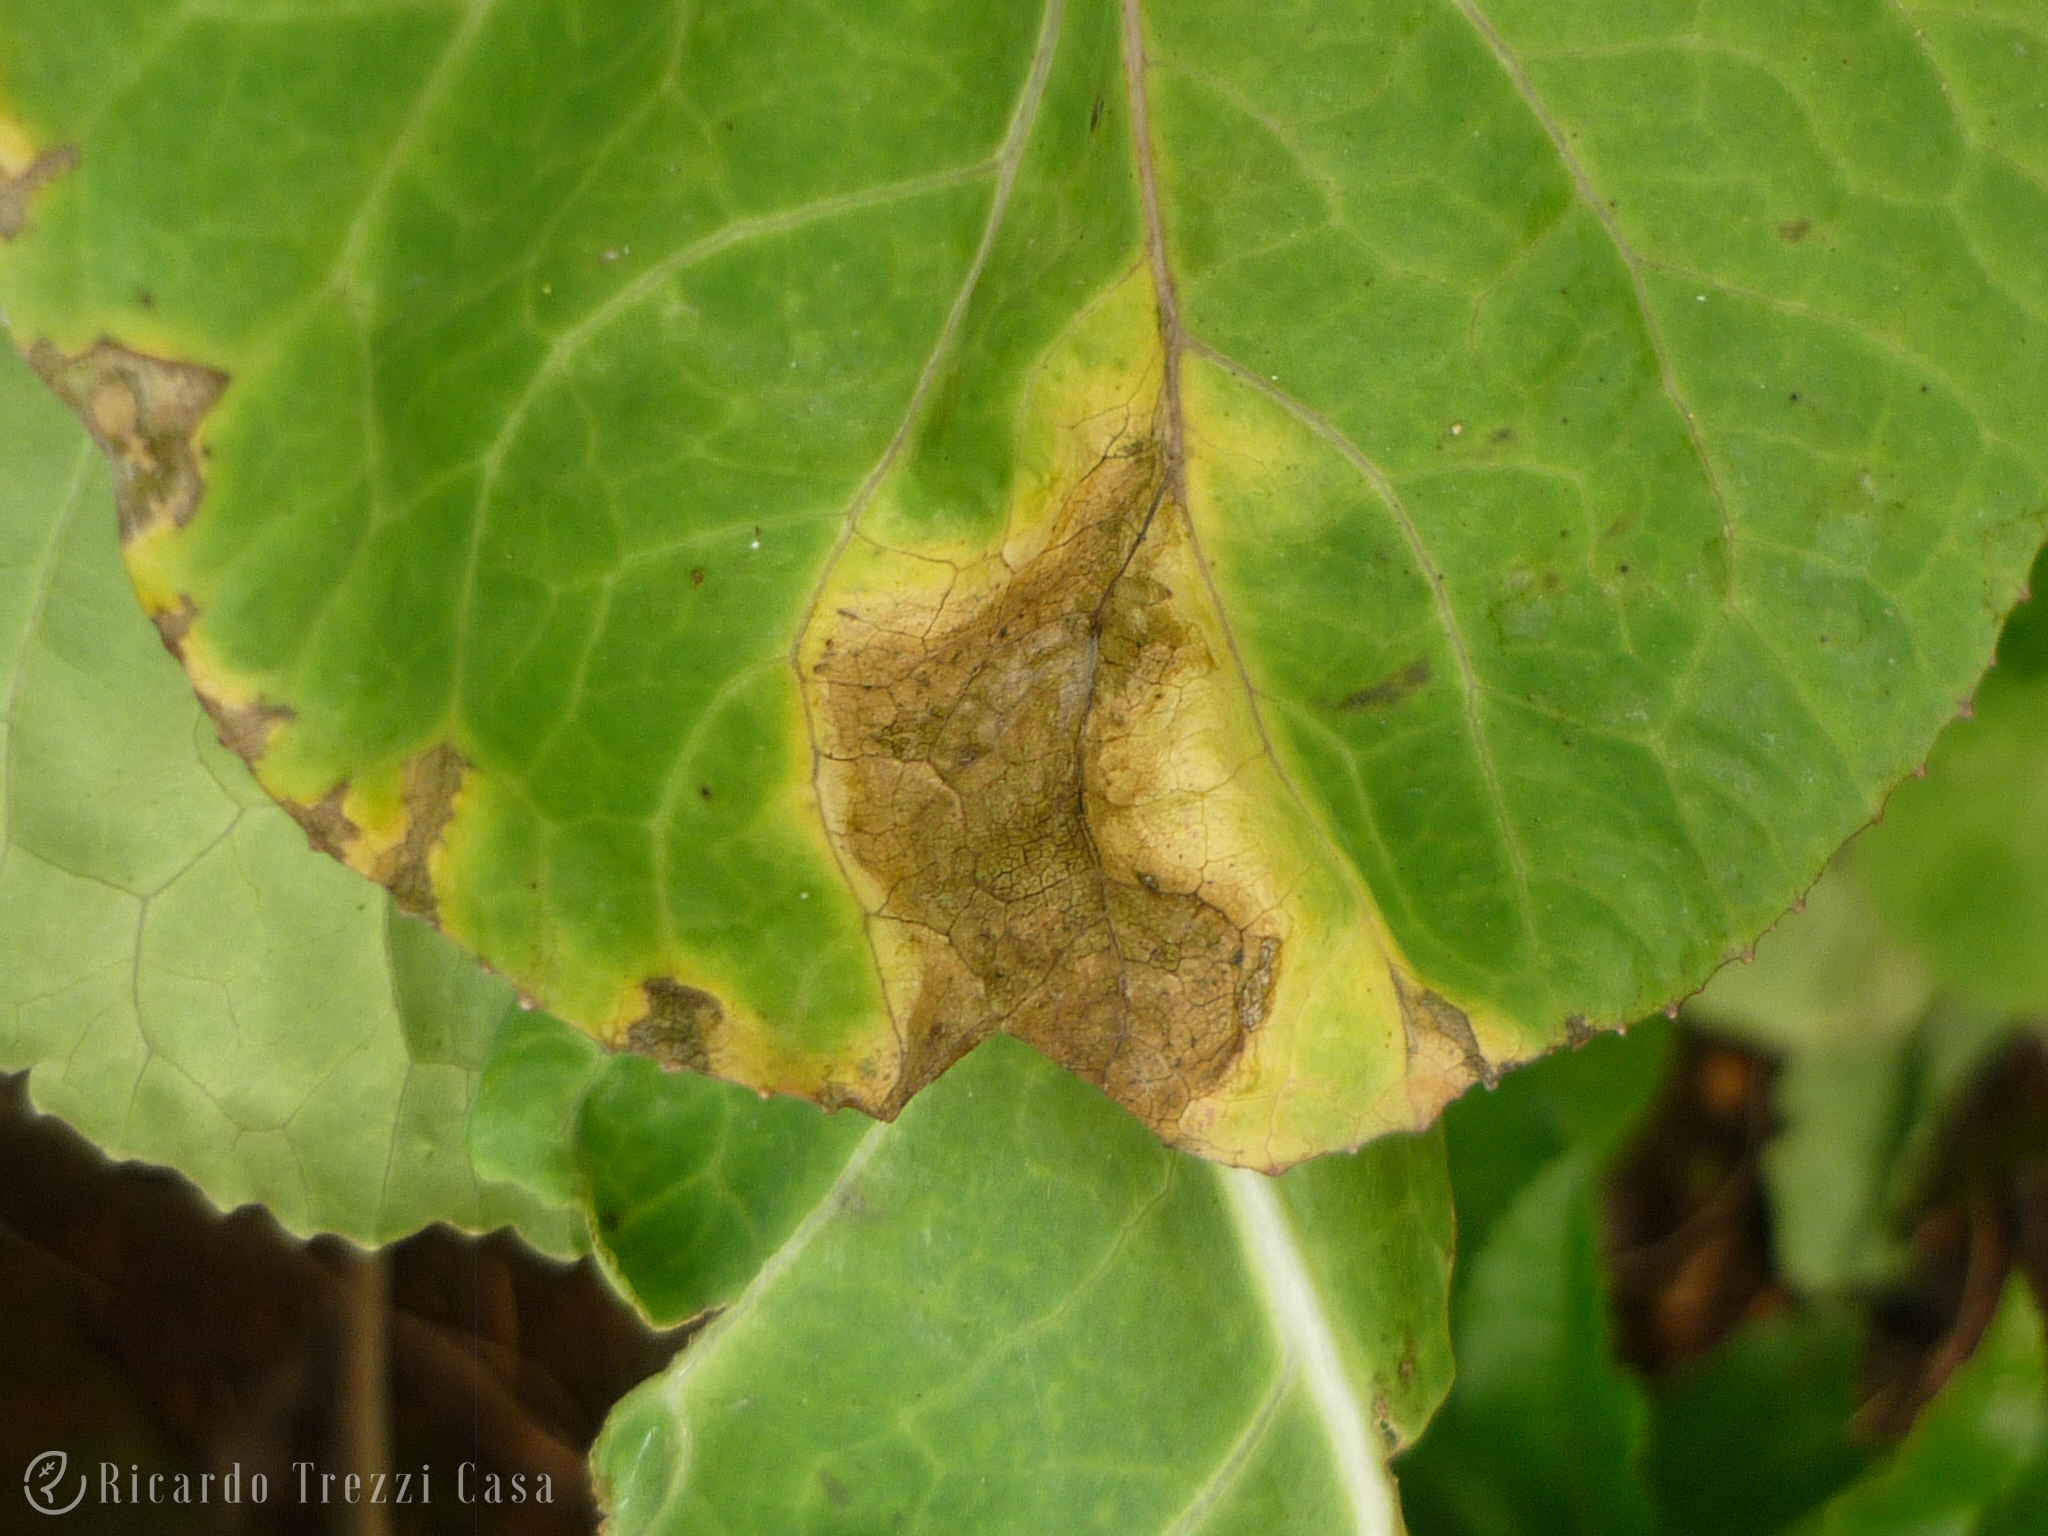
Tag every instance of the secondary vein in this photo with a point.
(1440, 597)
(1631, 262)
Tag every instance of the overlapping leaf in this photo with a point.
(1011, 1310)
(187, 983)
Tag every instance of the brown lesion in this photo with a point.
(1388, 691)
(429, 783)
(144, 412)
(677, 1025)
(989, 757)
(18, 191)
(1444, 1055)
(244, 729)
(326, 824)
(432, 780)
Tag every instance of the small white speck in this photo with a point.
(755, 542)
(1457, 429)
(610, 253)
(1703, 298)
(803, 895)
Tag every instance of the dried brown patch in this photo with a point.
(17, 192)
(432, 780)
(677, 1025)
(325, 824)
(428, 788)
(1441, 1044)
(244, 729)
(173, 625)
(143, 412)
(983, 756)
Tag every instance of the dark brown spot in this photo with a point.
(676, 1025)
(1388, 691)
(1792, 231)
(697, 576)
(244, 729)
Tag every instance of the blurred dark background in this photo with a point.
(142, 1327)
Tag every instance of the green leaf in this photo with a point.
(1970, 1448)
(1450, 509)
(1589, 1100)
(523, 1128)
(692, 1184)
(1843, 1003)
(1545, 1433)
(1012, 1310)
(1960, 866)
(1829, 975)
(1758, 1432)
(186, 982)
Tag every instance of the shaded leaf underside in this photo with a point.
(1549, 471)
(185, 983)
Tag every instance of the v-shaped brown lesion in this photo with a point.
(144, 413)
(984, 748)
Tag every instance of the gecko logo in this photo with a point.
(42, 1484)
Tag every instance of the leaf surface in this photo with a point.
(1546, 1431)
(185, 981)
(1289, 560)
(1011, 1310)
(1759, 1432)
(1960, 866)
